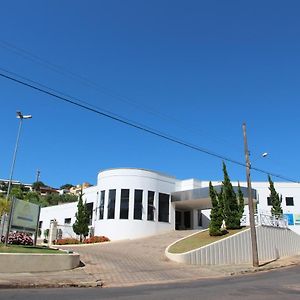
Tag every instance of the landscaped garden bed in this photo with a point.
(91, 240)
(200, 239)
(28, 249)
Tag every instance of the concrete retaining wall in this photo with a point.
(272, 244)
(27, 263)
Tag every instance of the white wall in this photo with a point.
(58, 212)
(134, 179)
(273, 243)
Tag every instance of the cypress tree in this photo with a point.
(231, 208)
(216, 216)
(80, 226)
(275, 199)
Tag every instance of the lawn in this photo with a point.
(28, 249)
(199, 240)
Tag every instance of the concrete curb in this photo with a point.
(30, 285)
(226, 272)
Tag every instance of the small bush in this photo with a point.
(96, 239)
(66, 241)
(18, 238)
(91, 240)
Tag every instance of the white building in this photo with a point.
(131, 203)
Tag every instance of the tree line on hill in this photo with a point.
(24, 193)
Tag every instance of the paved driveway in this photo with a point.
(140, 261)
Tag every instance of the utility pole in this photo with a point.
(250, 203)
(38, 173)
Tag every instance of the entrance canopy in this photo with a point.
(199, 198)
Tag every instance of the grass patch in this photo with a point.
(199, 240)
(28, 249)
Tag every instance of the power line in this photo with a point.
(106, 91)
(84, 105)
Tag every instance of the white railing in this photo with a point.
(266, 220)
(65, 231)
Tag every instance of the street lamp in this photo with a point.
(21, 117)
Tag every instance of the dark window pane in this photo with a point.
(124, 205)
(150, 216)
(199, 218)
(289, 201)
(138, 204)
(163, 207)
(111, 204)
(101, 206)
(269, 201)
(68, 221)
(89, 207)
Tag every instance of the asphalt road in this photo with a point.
(278, 284)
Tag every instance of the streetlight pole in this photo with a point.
(255, 261)
(21, 117)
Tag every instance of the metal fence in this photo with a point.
(266, 220)
(65, 231)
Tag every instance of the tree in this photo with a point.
(275, 199)
(17, 193)
(216, 215)
(241, 202)
(66, 186)
(33, 197)
(4, 206)
(231, 208)
(80, 226)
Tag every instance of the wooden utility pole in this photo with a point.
(250, 203)
(38, 173)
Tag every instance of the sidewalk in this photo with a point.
(132, 262)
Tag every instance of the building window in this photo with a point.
(199, 218)
(124, 205)
(67, 221)
(269, 201)
(163, 207)
(89, 208)
(101, 206)
(111, 204)
(40, 224)
(138, 204)
(150, 213)
(289, 201)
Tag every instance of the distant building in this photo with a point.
(75, 190)
(15, 183)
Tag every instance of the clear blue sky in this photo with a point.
(192, 69)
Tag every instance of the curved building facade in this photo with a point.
(133, 203)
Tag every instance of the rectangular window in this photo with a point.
(163, 207)
(68, 221)
(101, 206)
(199, 218)
(111, 204)
(289, 201)
(269, 201)
(124, 205)
(138, 204)
(89, 208)
(40, 224)
(150, 213)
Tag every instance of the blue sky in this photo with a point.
(195, 70)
